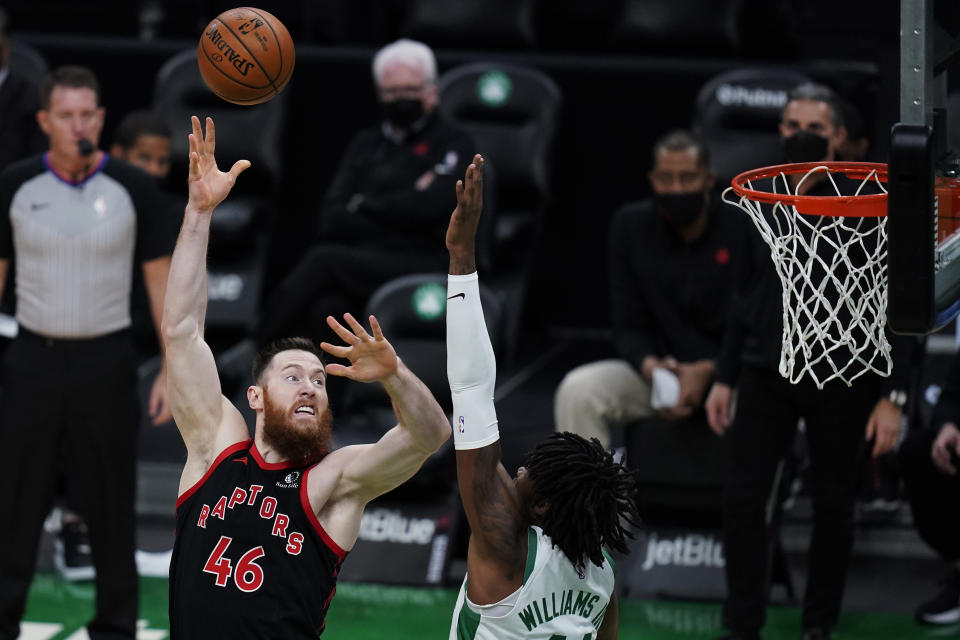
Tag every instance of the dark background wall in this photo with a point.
(621, 90)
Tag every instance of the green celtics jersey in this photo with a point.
(554, 602)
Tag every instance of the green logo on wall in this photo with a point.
(429, 301)
(494, 88)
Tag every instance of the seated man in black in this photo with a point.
(929, 462)
(386, 211)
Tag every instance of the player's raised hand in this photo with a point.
(208, 186)
(371, 356)
(462, 230)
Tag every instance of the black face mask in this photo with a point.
(680, 209)
(804, 146)
(403, 112)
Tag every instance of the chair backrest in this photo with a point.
(27, 61)
(512, 113)
(411, 311)
(251, 132)
(738, 112)
(487, 24)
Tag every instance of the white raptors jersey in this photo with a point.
(554, 602)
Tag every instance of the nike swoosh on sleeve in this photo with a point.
(458, 295)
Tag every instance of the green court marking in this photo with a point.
(662, 620)
(365, 611)
(70, 605)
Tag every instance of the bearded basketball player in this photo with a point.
(263, 524)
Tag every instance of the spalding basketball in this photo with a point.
(246, 56)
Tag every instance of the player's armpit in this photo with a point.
(193, 390)
(202, 453)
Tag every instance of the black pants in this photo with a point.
(70, 411)
(334, 279)
(768, 408)
(934, 496)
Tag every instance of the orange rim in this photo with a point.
(866, 206)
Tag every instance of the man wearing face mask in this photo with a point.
(842, 422)
(672, 266)
(386, 211)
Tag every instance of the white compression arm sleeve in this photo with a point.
(471, 365)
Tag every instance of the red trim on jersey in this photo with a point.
(232, 449)
(312, 517)
(272, 466)
(326, 605)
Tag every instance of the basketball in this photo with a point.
(246, 56)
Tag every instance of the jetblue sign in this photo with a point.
(683, 550)
(678, 563)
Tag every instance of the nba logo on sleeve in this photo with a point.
(460, 424)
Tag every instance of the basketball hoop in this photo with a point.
(830, 253)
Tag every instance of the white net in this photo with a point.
(833, 273)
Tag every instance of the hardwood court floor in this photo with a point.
(57, 610)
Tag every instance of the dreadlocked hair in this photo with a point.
(591, 498)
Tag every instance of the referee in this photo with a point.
(75, 221)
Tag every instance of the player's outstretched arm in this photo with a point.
(192, 381)
(497, 551)
(373, 469)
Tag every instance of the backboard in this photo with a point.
(924, 171)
